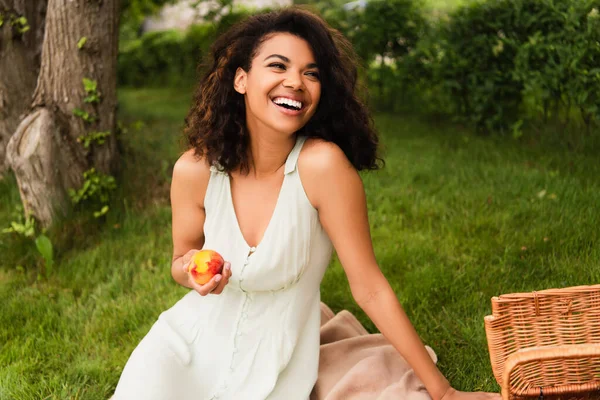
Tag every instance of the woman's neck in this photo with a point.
(267, 155)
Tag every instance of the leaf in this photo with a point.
(92, 98)
(30, 231)
(100, 213)
(44, 246)
(78, 112)
(89, 85)
(516, 129)
(81, 42)
(541, 194)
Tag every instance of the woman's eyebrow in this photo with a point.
(284, 58)
(287, 60)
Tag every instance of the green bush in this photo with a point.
(383, 34)
(494, 54)
(478, 46)
(157, 59)
(561, 69)
(169, 58)
(491, 64)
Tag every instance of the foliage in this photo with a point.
(25, 226)
(133, 13)
(44, 246)
(478, 47)
(491, 64)
(95, 191)
(17, 22)
(93, 137)
(494, 64)
(385, 29)
(92, 96)
(84, 115)
(91, 91)
(169, 57)
(562, 66)
(383, 34)
(81, 42)
(21, 225)
(216, 9)
(158, 58)
(492, 54)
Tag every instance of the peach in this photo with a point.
(204, 265)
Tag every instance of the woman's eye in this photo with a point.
(314, 74)
(277, 65)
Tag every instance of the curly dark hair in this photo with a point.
(216, 123)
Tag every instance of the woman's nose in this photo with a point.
(293, 81)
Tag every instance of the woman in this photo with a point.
(276, 136)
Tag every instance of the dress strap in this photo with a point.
(292, 160)
(216, 167)
(290, 163)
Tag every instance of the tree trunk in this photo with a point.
(44, 152)
(19, 64)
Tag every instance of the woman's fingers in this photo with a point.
(224, 280)
(208, 287)
(187, 258)
(216, 284)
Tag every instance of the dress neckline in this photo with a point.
(275, 209)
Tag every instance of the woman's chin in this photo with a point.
(287, 129)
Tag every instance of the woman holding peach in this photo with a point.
(276, 138)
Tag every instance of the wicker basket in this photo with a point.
(546, 344)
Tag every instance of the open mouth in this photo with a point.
(288, 104)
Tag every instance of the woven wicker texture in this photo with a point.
(546, 342)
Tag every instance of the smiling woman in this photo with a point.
(276, 137)
(289, 83)
(309, 61)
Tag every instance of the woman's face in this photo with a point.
(282, 88)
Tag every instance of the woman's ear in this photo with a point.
(239, 81)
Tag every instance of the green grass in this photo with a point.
(455, 218)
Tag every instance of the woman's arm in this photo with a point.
(335, 189)
(188, 188)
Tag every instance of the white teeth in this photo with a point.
(289, 102)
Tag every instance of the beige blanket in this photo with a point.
(356, 365)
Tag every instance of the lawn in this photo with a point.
(455, 218)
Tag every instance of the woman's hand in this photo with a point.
(215, 285)
(453, 394)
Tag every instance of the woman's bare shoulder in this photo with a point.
(318, 156)
(192, 174)
(319, 160)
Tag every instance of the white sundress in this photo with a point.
(257, 340)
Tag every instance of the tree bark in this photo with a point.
(44, 152)
(19, 64)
